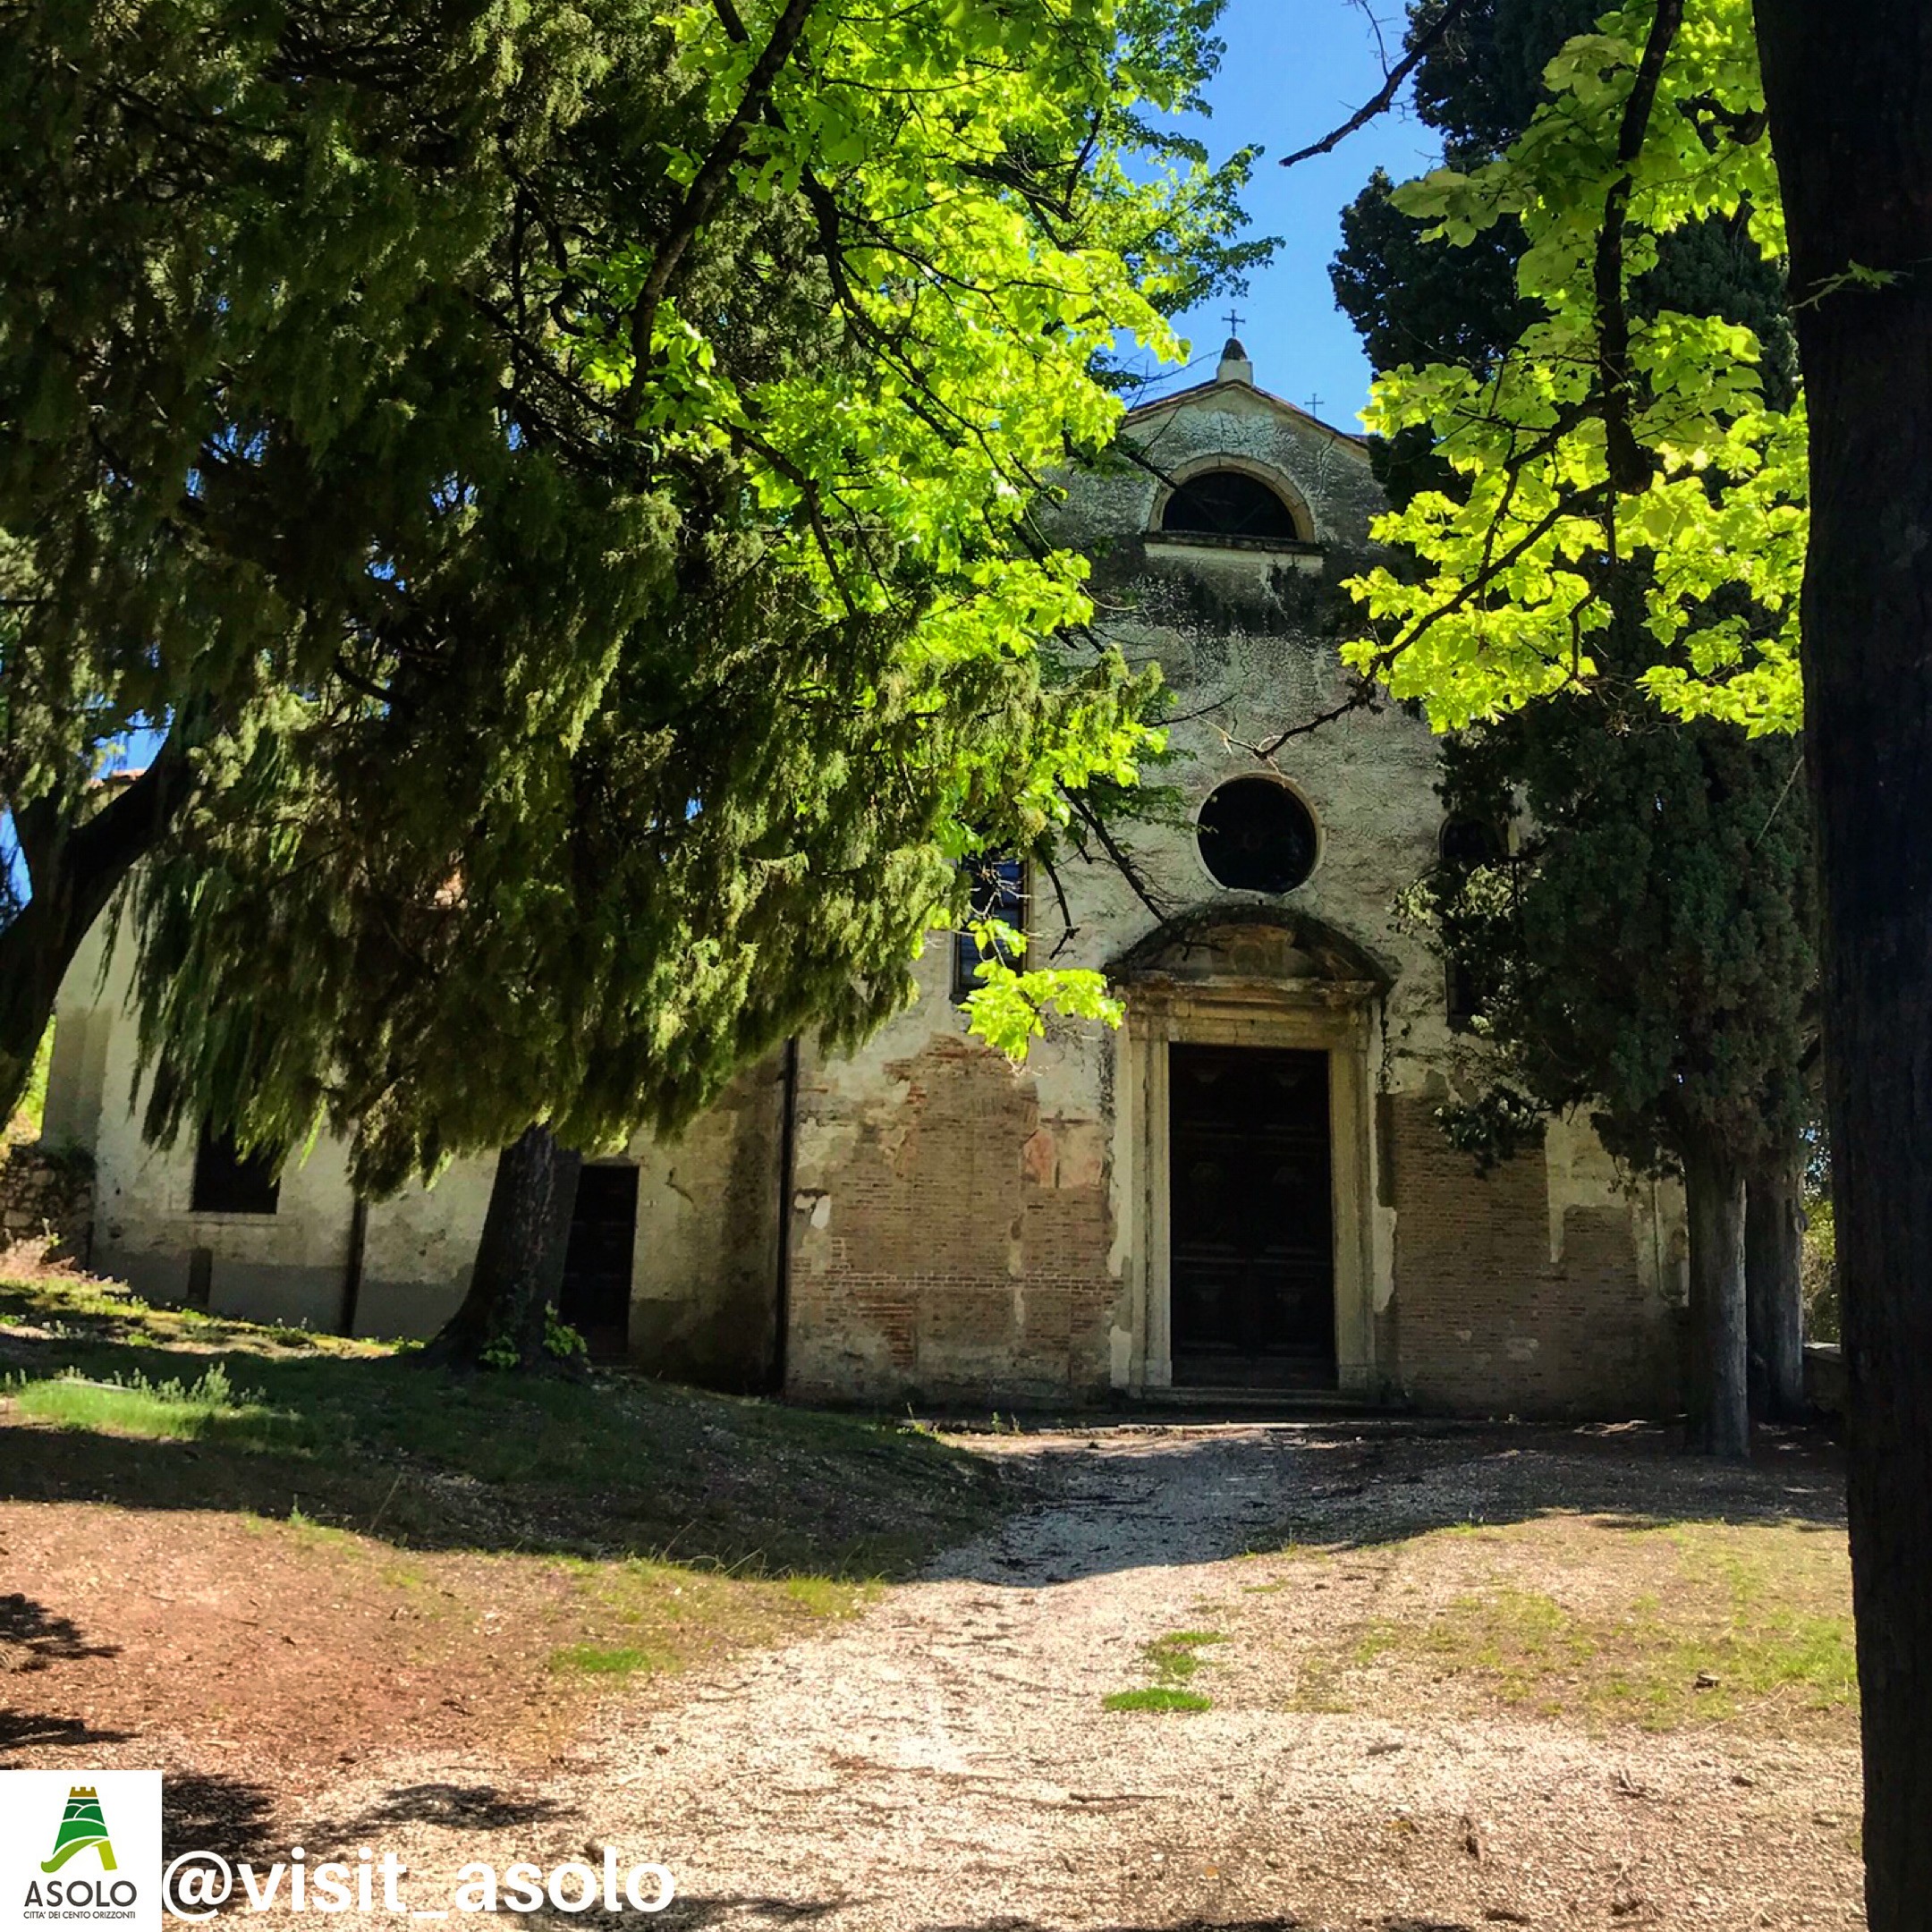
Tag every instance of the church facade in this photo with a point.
(1243, 1188)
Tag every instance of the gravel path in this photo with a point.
(945, 1760)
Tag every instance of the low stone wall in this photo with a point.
(44, 1188)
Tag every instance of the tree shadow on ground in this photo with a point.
(34, 1639)
(1635, 1476)
(612, 1464)
(478, 1808)
(1197, 1496)
(1288, 1923)
(229, 1817)
(706, 1912)
(23, 1731)
(742, 1908)
(619, 1466)
(1203, 1494)
(690, 1912)
(42, 1634)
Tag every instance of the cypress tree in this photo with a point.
(562, 475)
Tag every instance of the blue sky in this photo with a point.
(1293, 70)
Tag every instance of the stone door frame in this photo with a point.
(1330, 1016)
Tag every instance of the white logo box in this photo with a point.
(100, 1831)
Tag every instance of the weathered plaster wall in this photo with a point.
(419, 1249)
(704, 1284)
(1242, 639)
(288, 1266)
(704, 1268)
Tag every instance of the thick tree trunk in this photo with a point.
(1849, 93)
(1774, 1287)
(520, 1257)
(72, 871)
(36, 950)
(1720, 1404)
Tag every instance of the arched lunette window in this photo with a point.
(1472, 842)
(1229, 503)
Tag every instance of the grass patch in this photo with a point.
(1171, 1660)
(128, 1403)
(1688, 1624)
(1157, 1697)
(605, 1660)
(267, 1419)
(1175, 1658)
(827, 1596)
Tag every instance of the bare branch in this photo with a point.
(1123, 861)
(1068, 929)
(1418, 52)
(707, 184)
(1364, 697)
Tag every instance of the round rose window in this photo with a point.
(1256, 835)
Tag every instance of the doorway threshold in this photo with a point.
(1289, 1402)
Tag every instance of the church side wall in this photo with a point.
(288, 1266)
(704, 1269)
(704, 1283)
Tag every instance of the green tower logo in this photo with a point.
(81, 1829)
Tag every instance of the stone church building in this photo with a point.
(1243, 1188)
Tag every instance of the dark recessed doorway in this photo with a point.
(1252, 1266)
(595, 1296)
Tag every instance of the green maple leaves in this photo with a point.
(1511, 584)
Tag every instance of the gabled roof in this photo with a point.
(1234, 377)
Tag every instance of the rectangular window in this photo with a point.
(1465, 996)
(228, 1181)
(998, 892)
(1471, 849)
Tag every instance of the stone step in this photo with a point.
(1259, 1402)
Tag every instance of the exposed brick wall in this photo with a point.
(1485, 1323)
(41, 1191)
(958, 1247)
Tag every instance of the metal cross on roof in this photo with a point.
(1234, 322)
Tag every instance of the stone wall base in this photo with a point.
(46, 1194)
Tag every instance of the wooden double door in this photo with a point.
(1252, 1260)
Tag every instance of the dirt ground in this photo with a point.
(281, 1652)
(1367, 1756)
